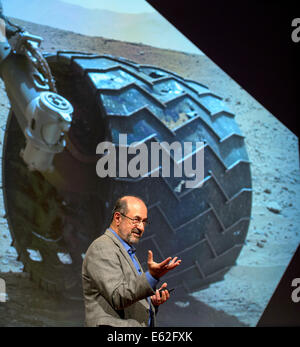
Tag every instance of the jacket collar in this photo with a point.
(122, 248)
(129, 248)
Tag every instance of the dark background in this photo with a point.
(251, 41)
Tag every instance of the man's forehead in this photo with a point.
(135, 205)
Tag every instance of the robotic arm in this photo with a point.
(43, 115)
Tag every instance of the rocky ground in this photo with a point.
(274, 232)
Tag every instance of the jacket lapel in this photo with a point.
(122, 250)
(129, 260)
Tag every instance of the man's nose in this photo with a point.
(141, 225)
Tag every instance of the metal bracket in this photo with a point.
(48, 118)
(23, 39)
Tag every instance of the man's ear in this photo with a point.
(117, 217)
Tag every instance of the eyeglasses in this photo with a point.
(137, 221)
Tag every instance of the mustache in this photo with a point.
(136, 230)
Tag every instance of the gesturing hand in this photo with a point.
(157, 270)
(158, 299)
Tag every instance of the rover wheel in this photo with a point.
(205, 226)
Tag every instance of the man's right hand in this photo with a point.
(158, 270)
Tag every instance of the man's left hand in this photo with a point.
(159, 298)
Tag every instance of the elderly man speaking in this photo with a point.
(117, 292)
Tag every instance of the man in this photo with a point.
(116, 290)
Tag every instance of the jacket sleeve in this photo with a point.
(112, 275)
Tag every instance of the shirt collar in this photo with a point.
(130, 249)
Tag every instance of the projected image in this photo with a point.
(120, 103)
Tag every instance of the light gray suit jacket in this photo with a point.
(114, 293)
